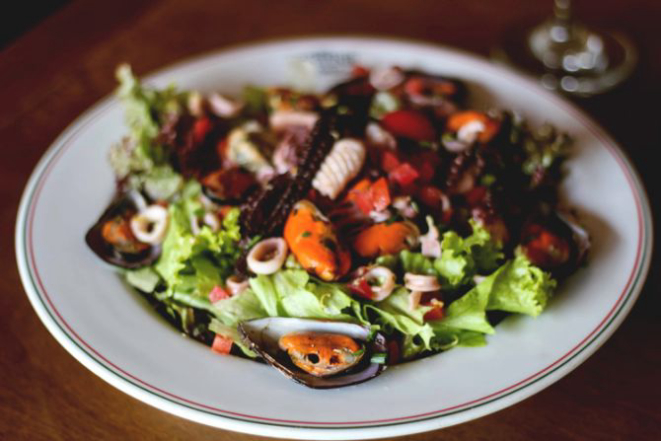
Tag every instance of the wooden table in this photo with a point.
(65, 64)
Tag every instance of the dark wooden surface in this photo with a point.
(65, 64)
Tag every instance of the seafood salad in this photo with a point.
(334, 234)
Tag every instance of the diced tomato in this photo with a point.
(359, 71)
(409, 124)
(436, 313)
(425, 163)
(430, 196)
(221, 344)
(380, 194)
(415, 86)
(545, 249)
(394, 353)
(445, 88)
(370, 196)
(364, 202)
(224, 209)
(360, 187)
(476, 195)
(361, 196)
(389, 161)
(362, 289)
(404, 175)
(201, 128)
(435, 199)
(218, 293)
(221, 148)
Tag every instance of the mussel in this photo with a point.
(555, 242)
(111, 237)
(229, 185)
(320, 354)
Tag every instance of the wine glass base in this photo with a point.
(619, 59)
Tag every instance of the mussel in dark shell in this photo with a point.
(112, 237)
(320, 354)
(555, 242)
(229, 185)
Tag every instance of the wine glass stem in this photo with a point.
(562, 11)
(562, 30)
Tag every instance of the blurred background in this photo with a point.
(57, 58)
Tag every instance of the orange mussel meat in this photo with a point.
(385, 238)
(321, 354)
(312, 239)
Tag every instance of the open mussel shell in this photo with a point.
(228, 186)
(123, 205)
(460, 93)
(263, 336)
(580, 236)
(565, 226)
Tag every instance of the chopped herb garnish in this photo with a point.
(359, 352)
(488, 180)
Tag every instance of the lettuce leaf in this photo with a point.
(520, 287)
(447, 337)
(231, 333)
(487, 254)
(469, 311)
(456, 264)
(194, 264)
(141, 157)
(461, 258)
(162, 182)
(394, 313)
(517, 286)
(146, 108)
(289, 293)
(233, 310)
(416, 263)
(145, 279)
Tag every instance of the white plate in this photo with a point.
(112, 331)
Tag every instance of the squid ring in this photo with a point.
(236, 284)
(421, 283)
(267, 256)
(380, 279)
(150, 225)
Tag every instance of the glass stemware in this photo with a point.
(568, 56)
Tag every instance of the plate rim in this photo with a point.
(327, 430)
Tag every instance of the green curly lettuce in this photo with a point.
(289, 293)
(461, 258)
(517, 287)
(195, 263)
(141, 157)
(394, 312)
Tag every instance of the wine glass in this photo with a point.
(568, 56)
